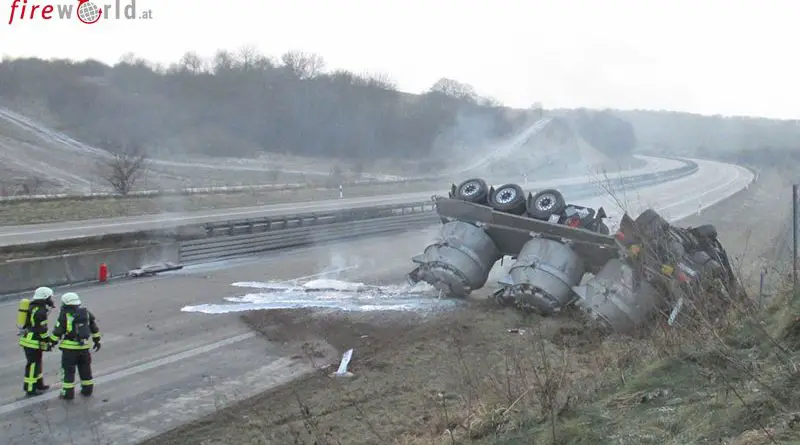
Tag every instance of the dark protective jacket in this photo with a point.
(64, 329)
(35, 329)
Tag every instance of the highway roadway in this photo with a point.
(10, 235)
(160, 367)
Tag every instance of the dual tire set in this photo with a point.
(510, 198)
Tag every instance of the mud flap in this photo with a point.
(459, 262)
(615, 299)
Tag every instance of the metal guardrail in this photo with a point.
(240, 237)
(251, 236)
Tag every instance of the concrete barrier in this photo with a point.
(28, 273)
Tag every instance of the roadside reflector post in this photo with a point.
(795, 240)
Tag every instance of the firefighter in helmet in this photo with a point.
(34, 339)
(76, 325)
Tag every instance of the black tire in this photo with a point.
(509, 198)
(705, 231)
(473, 190)
(546, 203)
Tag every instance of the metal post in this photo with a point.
(761, 289)
(794, 236)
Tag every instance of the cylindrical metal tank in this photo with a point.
(543, 276)
(615, 299)
(459, 262)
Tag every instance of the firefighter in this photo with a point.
(34, 340)
(76, 325)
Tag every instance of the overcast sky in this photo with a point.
(734, 57)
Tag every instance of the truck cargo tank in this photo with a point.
(543, 276)
(617, 298)
(458, 262)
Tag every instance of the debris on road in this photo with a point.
(152, 269)
(342, 371)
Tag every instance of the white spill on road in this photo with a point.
(328, 294)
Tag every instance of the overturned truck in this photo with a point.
(564, 254)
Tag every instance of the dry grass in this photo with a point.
(463, 377)
(76, 210)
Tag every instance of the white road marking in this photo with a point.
(52, 394)
(696, 197)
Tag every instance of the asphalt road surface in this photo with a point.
(52, 231)
(160, 367)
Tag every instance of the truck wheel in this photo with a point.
(473, 190)
(509, 198)
(546, 203)
(705, 231)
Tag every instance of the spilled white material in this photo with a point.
(330, 294)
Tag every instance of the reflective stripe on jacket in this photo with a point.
(35, 329)
(64, 329)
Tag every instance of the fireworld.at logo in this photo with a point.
(86, 11)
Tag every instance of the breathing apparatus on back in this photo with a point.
(23, 311)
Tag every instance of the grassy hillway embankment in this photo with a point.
(493, 376)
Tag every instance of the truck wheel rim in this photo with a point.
(506, 195)
(545, 203)
(469, 189)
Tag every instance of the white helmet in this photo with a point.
(43, 293)
(71, 299)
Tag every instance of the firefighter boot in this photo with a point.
(34, 393)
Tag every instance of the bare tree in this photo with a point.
(454, 88)
(31, 186)
(380, 80)
(303, 65)
(192, 63)
(126, 166)
(537, 110)
(247, 55)
(224, 61)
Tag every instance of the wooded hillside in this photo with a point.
(243, 103)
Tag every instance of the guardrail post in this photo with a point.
(230, 228)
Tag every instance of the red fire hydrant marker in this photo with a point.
(103, 273)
